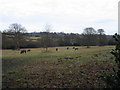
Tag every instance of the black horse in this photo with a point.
(56, 49)
(67, 48)
(23, 51)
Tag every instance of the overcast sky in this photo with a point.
(64, 15)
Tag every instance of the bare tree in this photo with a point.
(89, 31)
(17, 32)
(89, 36)
(46, 39)
(100, 31)
(102, 37)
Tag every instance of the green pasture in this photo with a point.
(39, 68)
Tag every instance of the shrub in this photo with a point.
(113, 80)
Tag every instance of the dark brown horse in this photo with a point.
(76, 48)
(28, 50)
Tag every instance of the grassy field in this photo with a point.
(70, 68)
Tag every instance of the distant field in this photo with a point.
(35, 38)
(57, 69)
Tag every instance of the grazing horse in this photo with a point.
(56, 49)
(73, 47)
(67, 48)
(22, 51)
(28, 50)
(76, 48)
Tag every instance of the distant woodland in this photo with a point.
(17, 37)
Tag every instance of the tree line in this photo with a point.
(16, 37)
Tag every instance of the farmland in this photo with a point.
(70, 68)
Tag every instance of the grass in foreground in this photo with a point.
(57, 69)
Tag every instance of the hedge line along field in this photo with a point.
(82, 68)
